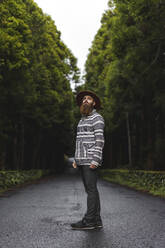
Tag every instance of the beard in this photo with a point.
(86, 109)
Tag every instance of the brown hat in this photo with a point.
(81, 94)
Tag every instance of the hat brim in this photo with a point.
(81, 94)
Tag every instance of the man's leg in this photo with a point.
(89, 177)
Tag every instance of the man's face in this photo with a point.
(88, 100)
(87, 105)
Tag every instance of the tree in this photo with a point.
(125, 67)
(36, 68)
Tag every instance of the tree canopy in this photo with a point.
(36, 69)
(125, 67)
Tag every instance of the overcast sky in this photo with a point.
(78, 22)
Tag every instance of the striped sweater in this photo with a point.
(90, 140)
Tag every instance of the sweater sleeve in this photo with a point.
(98, 126)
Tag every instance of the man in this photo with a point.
(88, 156)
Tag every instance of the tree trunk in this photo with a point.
(15, 165)
(21, 144)
(129, 141)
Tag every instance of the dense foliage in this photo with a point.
(125, 67)
(36, 69)
(148, 181)
(8, 179)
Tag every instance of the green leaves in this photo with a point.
(9, 179)
(125, 67)
(36, 68)
(149, 181)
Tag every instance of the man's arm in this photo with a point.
(98, 126)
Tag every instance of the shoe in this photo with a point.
(83, 225)
(99, 224)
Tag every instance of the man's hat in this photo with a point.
(81, 94)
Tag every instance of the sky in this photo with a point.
(78, 21)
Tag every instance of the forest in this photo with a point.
(125, 67)
(36, 67)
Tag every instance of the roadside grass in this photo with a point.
(10, 179)
(152, 182)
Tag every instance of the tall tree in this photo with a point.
(36, 68)
(125, 67)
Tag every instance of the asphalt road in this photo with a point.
(39, 215)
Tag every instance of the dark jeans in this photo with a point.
(89, 178)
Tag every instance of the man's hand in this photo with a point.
(92, 166)
(74, 165)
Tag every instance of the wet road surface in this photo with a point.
(39, 216)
